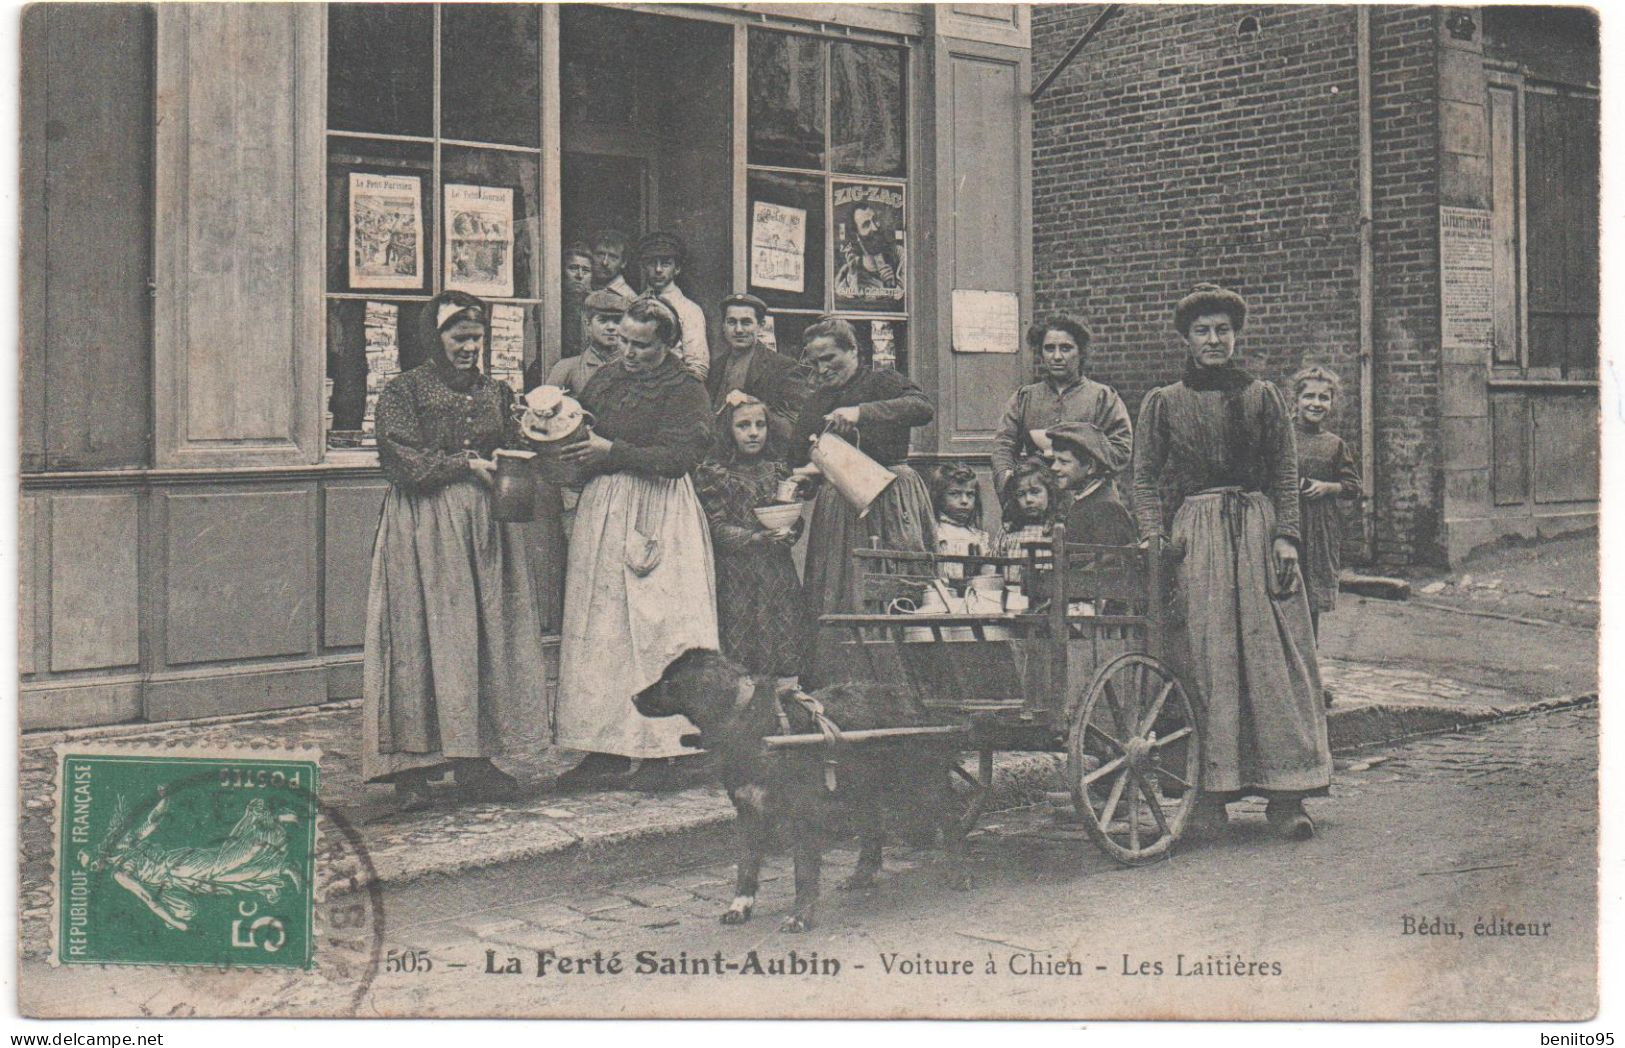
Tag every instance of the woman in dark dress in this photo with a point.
(760, 618)
(873, 409)
(453, 657)
(1216, 469)
(639, 590)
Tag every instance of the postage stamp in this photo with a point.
(185, 860)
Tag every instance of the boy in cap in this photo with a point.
(661, 255)
(1091, 509)
(601, 316)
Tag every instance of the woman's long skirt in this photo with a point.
(621, 628)
(453, 660)
(1249, 654)
(901, 518)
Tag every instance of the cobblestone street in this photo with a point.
(1490, 827)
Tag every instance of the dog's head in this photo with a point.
(704, 686)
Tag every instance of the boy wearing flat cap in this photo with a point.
(662, 256)
(601, 313)
(1081, 464)
(746, 365)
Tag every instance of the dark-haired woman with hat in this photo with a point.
(1216, 471)
(453, 645)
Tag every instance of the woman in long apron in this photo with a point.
(1216, 470)
(453, 658)
(639, 589)
(873, 409)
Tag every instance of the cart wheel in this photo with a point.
(1133, 756)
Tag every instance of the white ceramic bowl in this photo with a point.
(780, 515)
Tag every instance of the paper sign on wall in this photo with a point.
(778, 246)
(986, 321)
(1467, 278)
(479, 240)
(386, 232)
(508, 344)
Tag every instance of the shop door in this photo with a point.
(646, 107)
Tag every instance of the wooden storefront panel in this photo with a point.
(95, 604)
(1509, 463)
(349, 524)
(239, 575)
(87, 236)
(239, 233)
(983, 146)
(1565, 443)
(27, 585)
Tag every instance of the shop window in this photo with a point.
(787, 118)
(1544, 152)
(420, 200)
(828, 197)
(867, 114)
(378, 57)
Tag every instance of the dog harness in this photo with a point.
(834, 741)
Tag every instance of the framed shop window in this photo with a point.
(434, 182)
(1544, 155)
(827, 196)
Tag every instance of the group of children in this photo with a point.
(762, 620)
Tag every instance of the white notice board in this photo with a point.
(986, 321)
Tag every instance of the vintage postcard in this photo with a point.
(1122, 545)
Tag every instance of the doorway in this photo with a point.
(646, 113)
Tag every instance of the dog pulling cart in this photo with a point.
(1077, 670)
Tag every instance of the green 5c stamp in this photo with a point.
(185, 860)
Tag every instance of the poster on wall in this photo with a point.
(986, 321)
(508, 345)
(870, 249)
(1467, 278)
(778, 246)
(479, 240)
(386, 231)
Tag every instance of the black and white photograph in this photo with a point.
(1074, 512)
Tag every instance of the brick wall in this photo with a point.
(1405, 241)
(1222, 143)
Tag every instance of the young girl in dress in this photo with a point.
(1028, 511)
(759, 610)
(957, 499)
(1326, 473)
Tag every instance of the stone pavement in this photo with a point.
(1375, 703)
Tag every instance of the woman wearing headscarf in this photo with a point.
(639, 588)
(453, 657)
(1216, 471)
(873, 409)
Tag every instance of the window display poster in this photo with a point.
(766, 335)
(508, 345)
(884, 340)
(778, 246)
(871, 253)
(386, 231)
(381, 327)
(986, 321)
(479, 240)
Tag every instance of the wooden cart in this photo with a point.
(1078, 671)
